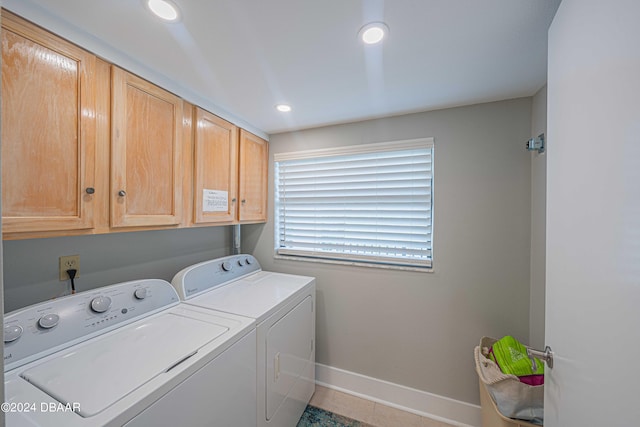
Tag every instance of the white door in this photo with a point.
(593, 215)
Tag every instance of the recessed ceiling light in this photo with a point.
(284, 108)
(373, 32)
(164, 9)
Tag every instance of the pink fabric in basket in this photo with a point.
(533, 380)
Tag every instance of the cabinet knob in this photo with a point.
(233, 200)
(90, 190)
(244, 201)
(122, 193)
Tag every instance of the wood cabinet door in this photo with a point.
(48, 131)
(146, 153)
(215, 169)
(254, 161)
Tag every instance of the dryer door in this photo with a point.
(289, 352)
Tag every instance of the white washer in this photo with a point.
(128, 354)
(284, 308)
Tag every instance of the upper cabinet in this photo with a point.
(254, 163)
(48, 131)
(90, 148)
(230, 172)
(215, 169)
(146, 147)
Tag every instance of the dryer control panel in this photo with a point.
(42, 329)
(211, 274)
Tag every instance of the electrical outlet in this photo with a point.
(69, 262)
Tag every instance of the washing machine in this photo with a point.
(283, 306)
(129, 354)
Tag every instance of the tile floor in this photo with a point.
(369, 412)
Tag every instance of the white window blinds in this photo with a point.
(370, 203)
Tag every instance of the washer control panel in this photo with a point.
(41, 329)
(206, 275)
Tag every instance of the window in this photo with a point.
(369, 204)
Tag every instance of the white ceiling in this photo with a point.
(241, 57)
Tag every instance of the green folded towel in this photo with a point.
(511, 357)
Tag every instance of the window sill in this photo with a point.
(354, 263)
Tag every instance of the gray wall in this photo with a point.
(538, 222)
(31, 266)
(419, 329)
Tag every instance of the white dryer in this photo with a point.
(284, 308)
(128, 354)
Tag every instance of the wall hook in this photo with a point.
(536, 144)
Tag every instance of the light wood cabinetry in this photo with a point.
(232, 161)
(146, 153)
(254, 162)
(48, 131)
(90, 148)
(215, 169)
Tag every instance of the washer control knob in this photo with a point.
(12, 332)
(100, 304)
(140, 293)
(249, 261)
(240, 262)
(226, 266)
(49, 321)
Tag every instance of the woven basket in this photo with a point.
(512, 398)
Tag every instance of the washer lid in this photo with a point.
(98, 373)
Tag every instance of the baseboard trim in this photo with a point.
(408, 399)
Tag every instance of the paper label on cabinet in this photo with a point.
(215, 201)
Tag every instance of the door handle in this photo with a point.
(545, 356)
(276, 367)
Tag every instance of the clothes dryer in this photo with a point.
(283, 306)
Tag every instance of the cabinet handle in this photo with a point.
(122, 193)
(244, 201)
(90, 190)
(233, 200)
